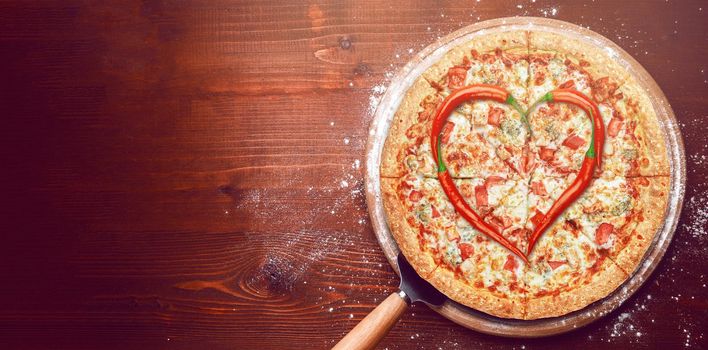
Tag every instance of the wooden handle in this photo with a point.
(375, 325)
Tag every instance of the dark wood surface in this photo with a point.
(188, 174)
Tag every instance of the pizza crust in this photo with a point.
(477, 298)
(514, 41)
(649, 133)
(600, 64)
(405, 235)
(654, 201)
(606, 280)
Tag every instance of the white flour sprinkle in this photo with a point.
(553, 11)
(698, 159)
(379, 89)
(375, 96)
(697, 223)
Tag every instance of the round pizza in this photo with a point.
(513, 200)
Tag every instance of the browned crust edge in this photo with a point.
(601, 65)
(477, 298)
(649, 133)
(514, 41)
(654, 201)
(405, 235)
(601, 285)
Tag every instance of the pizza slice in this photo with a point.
(429, 215)
(419, 217)
(562, 132)
(558, 61)
(468, 266)
(476, 270)
(487, 277)
(465, 149)
(561, 136)
(499, 59)
(622, 216)
(634, 143)
(570, 269)
(566, 272)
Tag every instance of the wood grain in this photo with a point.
(183, 174)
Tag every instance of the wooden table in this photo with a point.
(189, 174)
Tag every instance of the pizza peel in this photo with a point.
(469, 317)
(378, 322)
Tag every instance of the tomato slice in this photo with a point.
(602, 235)
(466, 250)
(496, 223)
(573, 142)
(456, 77)
(436, 213)
(493, 181)
(538, 188)
(546, 154)
(510, 263)
(494, 116)
(520, 233)
(415, 196)
(506, 221)
(480, 194)
(614, 127)
(536, 219)
(500, 223)
(556, 264)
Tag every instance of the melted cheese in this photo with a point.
(559, 245)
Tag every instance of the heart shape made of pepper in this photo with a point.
(593, 156)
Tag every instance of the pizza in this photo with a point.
(511, 164)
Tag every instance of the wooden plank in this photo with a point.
(131, 128)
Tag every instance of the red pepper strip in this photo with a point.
(479, 92)
(593, 157)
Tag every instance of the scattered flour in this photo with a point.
(697, 214)
(551, 11)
